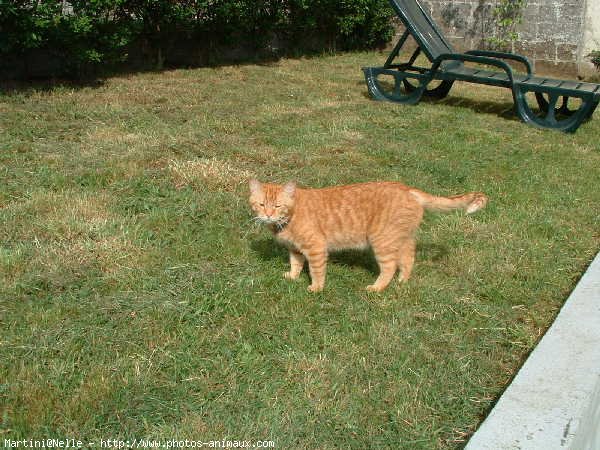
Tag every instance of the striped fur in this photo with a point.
(381, 215)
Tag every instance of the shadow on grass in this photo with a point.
(430, 252)
(32, 86)
(31, 73)
(504, 110)
(267, 249)
(42, 81)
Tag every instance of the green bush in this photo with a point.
(80, 34)
(343, 24)
(595, 58)
(23, 26)
(87, 34)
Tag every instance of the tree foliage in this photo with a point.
(595, 58)
(88, 33)
(508, 15)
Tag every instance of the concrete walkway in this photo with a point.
(554, 401)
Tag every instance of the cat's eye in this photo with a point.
(277, 206)
(261, 204)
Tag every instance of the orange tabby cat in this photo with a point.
(383, 215)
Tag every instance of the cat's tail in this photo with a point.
(471, 202)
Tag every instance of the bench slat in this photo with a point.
(588, 87)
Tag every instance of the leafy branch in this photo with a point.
(595, 58)
(508, 14)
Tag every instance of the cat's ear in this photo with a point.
(255, 186)
(289, 188)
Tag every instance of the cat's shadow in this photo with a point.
(268, 249)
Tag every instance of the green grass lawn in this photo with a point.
(137, 298)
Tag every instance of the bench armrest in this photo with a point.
(474, 59)
(503, 55)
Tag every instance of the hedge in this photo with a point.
(88, 34)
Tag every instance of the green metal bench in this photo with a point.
(409, 83)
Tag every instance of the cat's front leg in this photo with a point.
(296, 264)
(317, 264)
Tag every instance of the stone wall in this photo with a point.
(591, 37)
(557, 35)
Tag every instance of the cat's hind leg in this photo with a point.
(296, 263)
(406, 258)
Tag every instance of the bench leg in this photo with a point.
(592, 109)
(396, 93)
(564, 110)
(561, 118)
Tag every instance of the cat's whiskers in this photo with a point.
(256, 224)
(277, 221)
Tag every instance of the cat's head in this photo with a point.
(272, 203)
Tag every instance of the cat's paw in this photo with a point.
(374, 288)
(290, 276)
(478, 202)
(315, 288)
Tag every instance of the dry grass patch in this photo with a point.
(204, 173)
(118, 142)
(63, 236)
(58, 216)
(287, 109)
(114, 135)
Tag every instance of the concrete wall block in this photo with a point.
(529, 31)
(566, 52)
(455, 17)
(590, 38)
(545, 51)
(551, 30)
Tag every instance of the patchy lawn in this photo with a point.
(138, 300)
